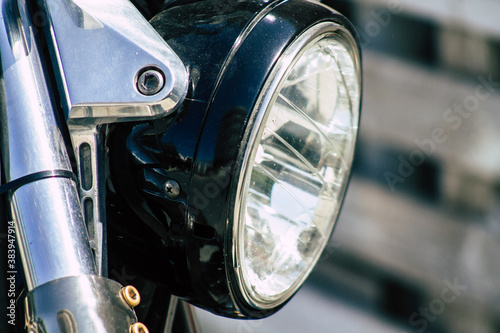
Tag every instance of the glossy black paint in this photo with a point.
(184, 244)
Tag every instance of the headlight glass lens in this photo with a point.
(297, 169)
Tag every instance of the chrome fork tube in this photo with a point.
(65, 293)
(51, 233)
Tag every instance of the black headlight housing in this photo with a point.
(186, 240)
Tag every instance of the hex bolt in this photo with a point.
(131, 296)
(172, 189)
(150, 82)
(139, 328)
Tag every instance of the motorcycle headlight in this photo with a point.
(295, 165)
(260, 153)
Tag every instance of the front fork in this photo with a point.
(64, 291)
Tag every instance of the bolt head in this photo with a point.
(150, 82)
(172, 189)
(131, 296)
(139, 328)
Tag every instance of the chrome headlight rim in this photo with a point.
(282, 68)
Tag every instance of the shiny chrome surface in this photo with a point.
(32, 140)
(78, 304)
(190, 318)
(101, 48)
(172, 189)
(172, 310)
(50, 229)
(51, 234)
(181, 317)
(111, 66)
(92, 189)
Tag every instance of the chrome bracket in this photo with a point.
(101, 48)
(89, 153)
(111, 66)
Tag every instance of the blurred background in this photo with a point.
(417, 245)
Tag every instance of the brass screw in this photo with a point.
(139, 328)
(131, 296)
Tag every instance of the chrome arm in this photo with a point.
(101, 49)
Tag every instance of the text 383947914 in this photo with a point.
(11, 273)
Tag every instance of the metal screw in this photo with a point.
(150, 82)
(131, 296)
(138, 328)
(172, 189)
